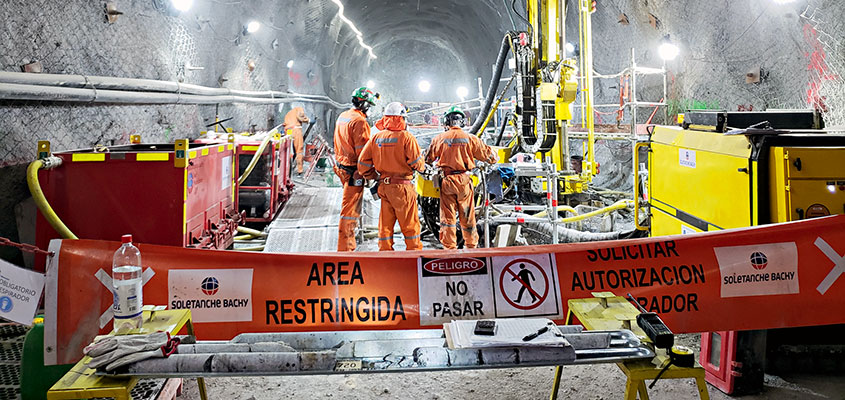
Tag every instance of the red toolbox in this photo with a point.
(178, 194)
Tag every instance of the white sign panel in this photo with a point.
(526, 285)
(686, 158)
(20, 292)
(758, 270)
(454, 288)
(212, 295)
(226, 167)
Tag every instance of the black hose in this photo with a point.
(502, 130)
(527, 22)
(494, 84)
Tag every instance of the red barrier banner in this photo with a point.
(754, 278)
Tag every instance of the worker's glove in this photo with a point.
(114, 351)
(164, 351)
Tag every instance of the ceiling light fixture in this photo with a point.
(462, 92)
(668, 50)
(182, 5)
(354, 29)
(424, 86)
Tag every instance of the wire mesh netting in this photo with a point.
(824, 33)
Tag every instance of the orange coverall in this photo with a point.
(392, 156)
(351, 133)
(456, 152)
(293, 126)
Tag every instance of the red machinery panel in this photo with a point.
(268, 186)
(158, 193)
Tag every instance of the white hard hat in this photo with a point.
(395, 108)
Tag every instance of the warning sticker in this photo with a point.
(454, 288)
(758, 270)
(212, 295)
(686, 158)
(526, 285)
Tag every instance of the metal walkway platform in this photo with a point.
(308, 222)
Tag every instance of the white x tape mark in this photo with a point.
(106, 280)
(838, 265)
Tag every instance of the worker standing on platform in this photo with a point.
(392, 156)
(293, 126)
(351, 133)
(456, 152)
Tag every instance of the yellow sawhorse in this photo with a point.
(82, 382)
(606, 311)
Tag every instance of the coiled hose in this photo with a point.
(40, 200)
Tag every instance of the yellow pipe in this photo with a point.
(613, 207)
(256, 248)
(41, 201)
(251, 232)
(255, 158)
(559, 208)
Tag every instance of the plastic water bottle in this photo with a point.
(127, 282)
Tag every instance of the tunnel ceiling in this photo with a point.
(448, 42)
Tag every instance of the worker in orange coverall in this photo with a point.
(351, 133)
(456, 152)
(293, 126)
(392, 156)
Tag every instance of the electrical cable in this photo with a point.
(527, 22)
(505, 3)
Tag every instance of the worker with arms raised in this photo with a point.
(456, 152)
(351, 133)
(392, 156)
(293, 126)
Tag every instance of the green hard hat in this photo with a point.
(365, 94)
(454, 110)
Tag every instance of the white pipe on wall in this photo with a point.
(100, 89)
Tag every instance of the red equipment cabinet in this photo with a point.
(177, 195)
(270, 184)
(268, 187)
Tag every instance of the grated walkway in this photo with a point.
(308, 222)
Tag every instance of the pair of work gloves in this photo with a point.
(112, 352)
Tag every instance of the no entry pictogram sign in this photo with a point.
(526, 285)
(529, 291)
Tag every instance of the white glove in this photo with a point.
(112, 348)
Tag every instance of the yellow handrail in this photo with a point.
(637, 148)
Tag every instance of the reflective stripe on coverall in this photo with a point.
(293, 126)
(456, 152)
(351, 133)
(392, 156)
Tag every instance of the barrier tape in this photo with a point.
(752, 278)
